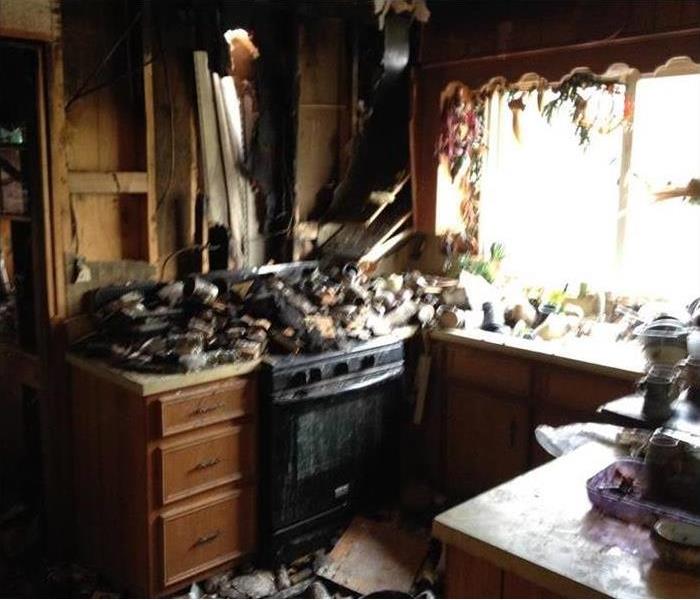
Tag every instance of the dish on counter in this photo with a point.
(677, 543)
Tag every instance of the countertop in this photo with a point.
(623, 360)
(148, 384)
(628, 412)
(542, 527)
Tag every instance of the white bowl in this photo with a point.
(677, 544)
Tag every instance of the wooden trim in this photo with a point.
(58, 227)
(151, 208)
(678, 65)
(625, 162)
(26, 35)
(644, 53)
(49, 292)
(605, 43)
(108, 182)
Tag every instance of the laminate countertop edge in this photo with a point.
(545, 352)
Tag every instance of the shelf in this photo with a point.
(15, 217)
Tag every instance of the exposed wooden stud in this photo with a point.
(58, 226)
(108, 182)
(151, 208)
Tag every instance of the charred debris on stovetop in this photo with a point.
(229, 316)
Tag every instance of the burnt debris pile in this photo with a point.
(210, 320)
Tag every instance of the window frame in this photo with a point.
(678, 65)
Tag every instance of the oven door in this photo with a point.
(334, 445)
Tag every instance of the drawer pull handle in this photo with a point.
(203, 410)
(205, 464)
(205, 539)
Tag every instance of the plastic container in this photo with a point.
(617, 491)
(664, 341)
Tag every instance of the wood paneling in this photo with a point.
(517, 587)
(104, 131)
(325, 109)
(470, 577)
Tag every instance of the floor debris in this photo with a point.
(376, 555)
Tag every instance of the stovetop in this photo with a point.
(291, 371)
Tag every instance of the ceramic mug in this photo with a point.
(660, 387)
(689, 370)
(661, 463)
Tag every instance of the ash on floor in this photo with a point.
(317, 575)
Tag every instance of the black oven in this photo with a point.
(330, 442)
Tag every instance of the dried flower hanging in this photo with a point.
(570, 93)
(461, 146)
(462, 130)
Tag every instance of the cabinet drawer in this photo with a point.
(188, 409)
(583, 392)
(487, 369)
(207, 462)
(203, 537)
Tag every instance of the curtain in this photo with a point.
(550, 201)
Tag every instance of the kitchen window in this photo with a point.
(568, 212)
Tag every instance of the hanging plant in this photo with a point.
(571, 96)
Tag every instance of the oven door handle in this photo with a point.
(332, 388)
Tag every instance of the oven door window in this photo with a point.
(334, 451)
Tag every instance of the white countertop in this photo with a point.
(616, 359)
(541, 526)
(621, 359)
(149, 384)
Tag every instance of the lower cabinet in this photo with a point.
(165, 485)
(487, 439)
(491, 405)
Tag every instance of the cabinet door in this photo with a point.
(487, 440)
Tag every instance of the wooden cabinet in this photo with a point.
(487, 439)
(491, 404)
(165, 484)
